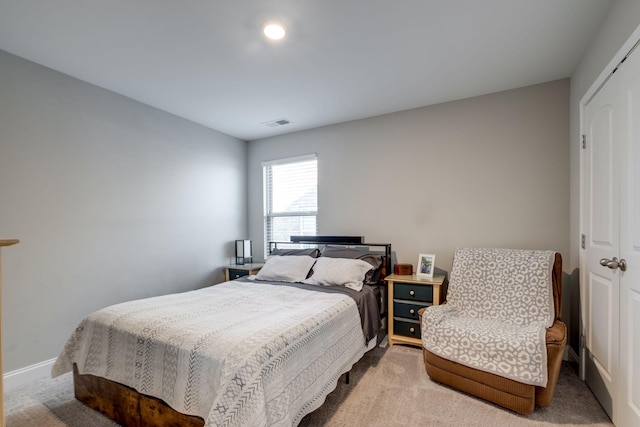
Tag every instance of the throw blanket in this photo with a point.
(235, 354)
(499, 304)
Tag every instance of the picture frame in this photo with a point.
(426, 265)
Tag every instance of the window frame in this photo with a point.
(267, 192)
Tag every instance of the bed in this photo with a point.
(263, 350)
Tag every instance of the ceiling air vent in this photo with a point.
(277, 122)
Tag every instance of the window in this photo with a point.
(290, 198)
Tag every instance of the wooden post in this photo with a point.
(2, 243)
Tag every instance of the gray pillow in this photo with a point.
(375, 260)
(329, 271)
(313, 252)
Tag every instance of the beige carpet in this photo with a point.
(389, 387)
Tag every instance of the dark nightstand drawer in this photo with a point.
(235, 274)
(403, 309)
(413, 292)
(406, 328)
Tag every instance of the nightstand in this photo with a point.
(408, 294)
(235, 271)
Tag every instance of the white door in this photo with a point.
(612, 226)
(629, 390)
(602, 230)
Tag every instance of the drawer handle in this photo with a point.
(412, 311)
(412, 292)
(412, 330)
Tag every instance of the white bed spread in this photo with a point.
(235, 354)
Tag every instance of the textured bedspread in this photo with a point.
(239, 353)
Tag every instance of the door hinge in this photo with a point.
(584, 141)
(583, 341)
(582, 242)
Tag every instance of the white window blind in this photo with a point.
(290, 198)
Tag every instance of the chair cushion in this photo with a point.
(511, 351)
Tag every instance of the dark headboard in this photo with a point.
(355, 242)
(336, 240)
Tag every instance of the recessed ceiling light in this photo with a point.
(274, 30)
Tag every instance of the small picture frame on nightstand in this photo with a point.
(426, 265)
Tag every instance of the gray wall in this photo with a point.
(485, 171)
(112, 201)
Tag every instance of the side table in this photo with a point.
(236, 271)
(406, 295)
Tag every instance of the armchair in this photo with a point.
(499, 336)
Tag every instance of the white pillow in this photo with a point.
(339, 272)
(286, 268)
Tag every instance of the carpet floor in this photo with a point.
(388, 387)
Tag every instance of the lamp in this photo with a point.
(243, 251)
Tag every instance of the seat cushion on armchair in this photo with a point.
(510, 394)
(511, 351)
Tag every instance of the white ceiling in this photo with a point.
(206, 60)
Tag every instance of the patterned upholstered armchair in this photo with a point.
(499, 336)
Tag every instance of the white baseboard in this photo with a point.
(27, 374)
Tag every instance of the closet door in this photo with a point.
(612, 227)
(629, 391)
(602, 230)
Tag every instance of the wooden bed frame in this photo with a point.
(130, 408)
(126, 406)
